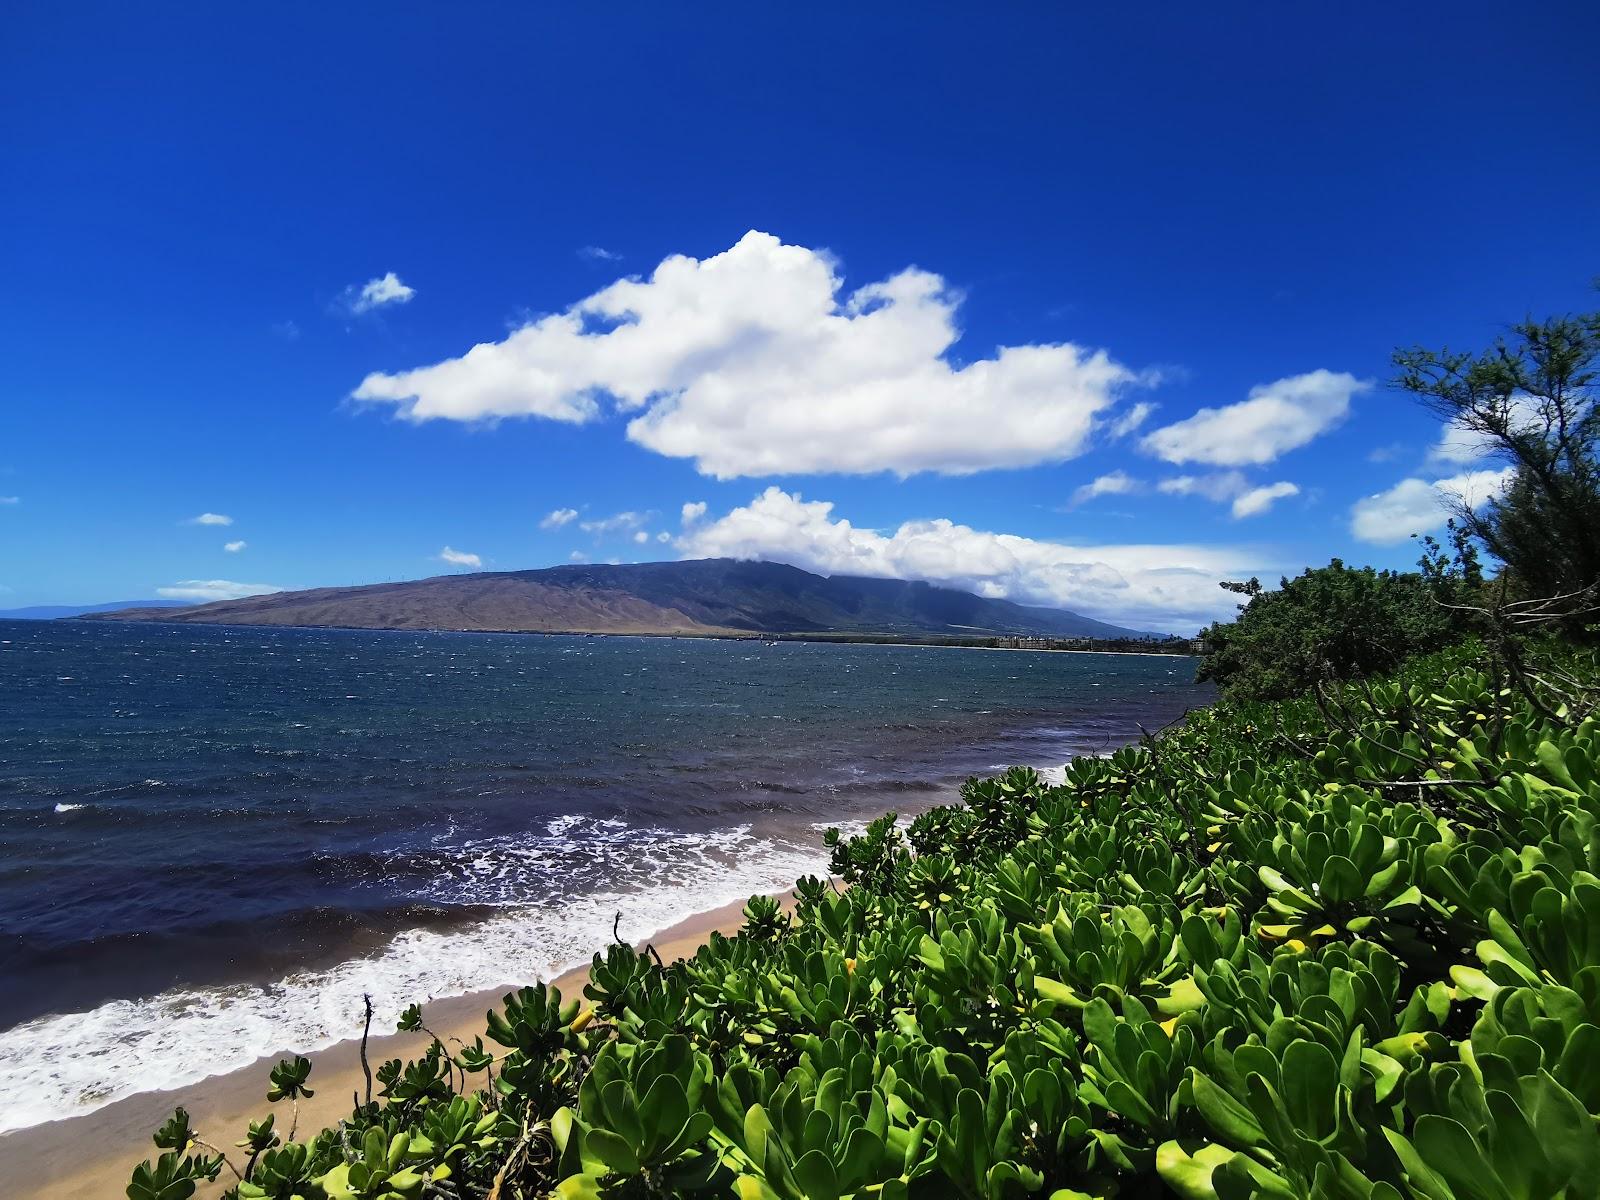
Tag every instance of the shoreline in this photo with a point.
(93, 1154)
(932, 642)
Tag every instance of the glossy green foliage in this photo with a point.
(1344, 949)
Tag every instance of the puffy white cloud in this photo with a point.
(210, 518)
(1274, 419)
(693, 511)
(641, 537)
(1117, 483)
(559, 517)
(622, 522)
(1417, 506)
(1165, 587)
(459, 558)
(378, 293)
(1259, 499)
(235, 547)
(578, 556)
(203, 590)
(663, 536)
(1219, 486)
(755, 362)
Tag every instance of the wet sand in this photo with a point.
(92, 1156)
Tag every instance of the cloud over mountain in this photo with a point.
(1167, 587)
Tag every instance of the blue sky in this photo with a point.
(242, 258)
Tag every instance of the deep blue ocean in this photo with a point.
(213, 840)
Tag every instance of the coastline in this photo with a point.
(824, 638)
(93, 1154)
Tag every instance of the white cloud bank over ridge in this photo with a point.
(755, 362)
(205, 590)
(1417, 506)
(1274, 419)
(1160, 587)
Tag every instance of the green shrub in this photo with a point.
(1347, 950)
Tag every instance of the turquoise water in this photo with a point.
(251, 826)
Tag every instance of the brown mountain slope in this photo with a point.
(710, 596)
(484, 603)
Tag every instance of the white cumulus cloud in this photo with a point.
(558, 518)
(381, 292)
(755, 361)
(693, 511)
(1259, 499)
(235, 547)
(1274, 419)
(1117, 483)
(204, 590)
(210, 518)
(641, 537)
(459, 558)
(1164, 587)
(1418, 506)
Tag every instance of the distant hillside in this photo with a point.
(710, 596)
(51, 612)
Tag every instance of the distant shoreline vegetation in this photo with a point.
(1174, 646)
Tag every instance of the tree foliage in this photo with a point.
(1531, 402)
(1327, 624)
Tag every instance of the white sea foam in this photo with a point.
(66, 808)
(66, 1065)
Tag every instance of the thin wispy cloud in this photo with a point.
(598, 254)
(1261, 499)
(558, 518)
(234, 547)
(622, 522)
(1117, 483)
(210, 518)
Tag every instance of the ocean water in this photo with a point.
(214, 840)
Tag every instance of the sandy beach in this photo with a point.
(92, 1156)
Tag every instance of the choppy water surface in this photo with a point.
(213, 840)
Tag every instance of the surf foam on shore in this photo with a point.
(66, 1065)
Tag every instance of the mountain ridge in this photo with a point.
(717, 596)
(55, 612)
